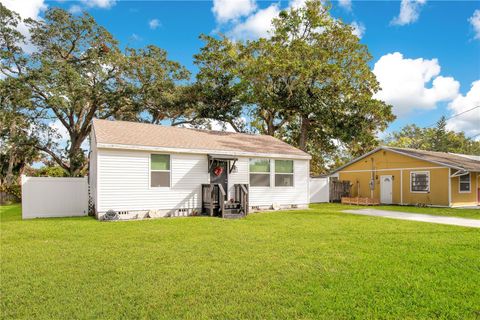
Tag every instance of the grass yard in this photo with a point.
(316, 263)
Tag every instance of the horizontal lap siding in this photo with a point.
(238, 177)
(123, 183)
(296, 195)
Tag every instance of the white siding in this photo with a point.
(283, 196)
(124, 182)
(124, 185)
(241, 176)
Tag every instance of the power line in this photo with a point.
(455, 115)
(478, 134)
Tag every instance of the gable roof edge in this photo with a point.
(201, 151)
(395, 151)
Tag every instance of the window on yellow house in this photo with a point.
(420, 181)
(464, 183)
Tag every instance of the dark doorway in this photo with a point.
(220, 176)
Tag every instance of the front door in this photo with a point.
(386, 183)
(219, 174)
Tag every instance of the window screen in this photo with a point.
(420, 181)
(259, 172)
(160, 170)
(284, 173)
(464, 183)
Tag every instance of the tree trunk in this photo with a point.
(303, 136)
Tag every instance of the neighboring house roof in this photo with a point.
(136, 135)
(450, 160)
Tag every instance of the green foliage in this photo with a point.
(437, 138)
(217, 91)
(17, 143)
(313, 76)
(153, 80)
(303, 264)
(48, 171)
(309, 84)
(78, 72)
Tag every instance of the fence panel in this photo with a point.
(319, 190)
(44, 197)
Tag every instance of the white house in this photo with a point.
(138, 168)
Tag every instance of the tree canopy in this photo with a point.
(78, 72)
(436, 138)
(308, 83)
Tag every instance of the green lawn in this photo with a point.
(308, 264)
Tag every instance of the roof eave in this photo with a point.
(398, 152)
(202, 151)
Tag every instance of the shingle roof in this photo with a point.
(451, 160)
(149, 135)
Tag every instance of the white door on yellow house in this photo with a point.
(386, 183)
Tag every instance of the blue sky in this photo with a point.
(426, 54)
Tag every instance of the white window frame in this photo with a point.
(275, 173)
(469, 183)
(269, 173)
(150, 171)
(411, 180)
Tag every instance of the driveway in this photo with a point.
(473, 223)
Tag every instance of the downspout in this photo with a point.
(372, 180)
(449, 187)
(401, 187)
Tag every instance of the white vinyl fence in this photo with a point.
(44, 197)
(319, 191)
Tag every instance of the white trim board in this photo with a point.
(393, 169)
(202, 151)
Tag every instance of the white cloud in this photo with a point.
(154, 24)
(346, 4)
(296, 3)
(469, 122)
(135, 37)
(26, 9)
(257, 25)
(75, 9)
(409, 12)
(104, 4)
(475, 22)
(358, 29)
(228, 10)
(403, 83)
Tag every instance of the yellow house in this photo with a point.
(412, 177)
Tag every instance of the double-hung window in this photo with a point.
(259, 172)
(464, 183)
(283, 173)
(420, 181)
(159, 170)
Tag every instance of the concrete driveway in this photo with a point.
(473, 223)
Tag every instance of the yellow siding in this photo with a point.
(384, 160)
(465, 199)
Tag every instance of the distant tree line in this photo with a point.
(309, 84)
